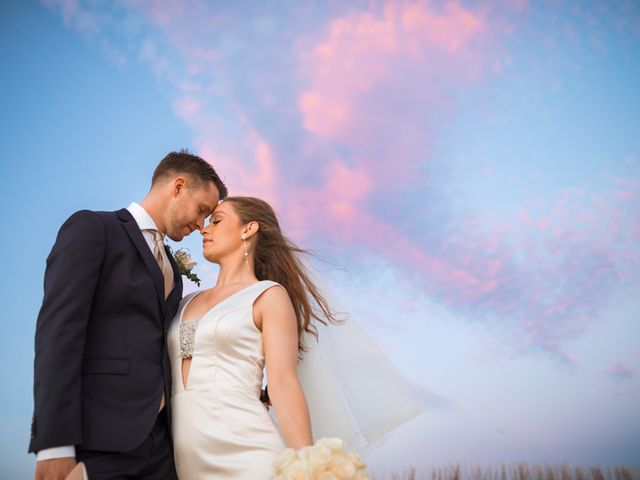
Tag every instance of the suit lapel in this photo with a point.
(132, 229)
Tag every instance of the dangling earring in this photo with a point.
(246, 252)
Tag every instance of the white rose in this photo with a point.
(298, 470)
(284, 460)
(343, 469)
(319, 455)
(326, 476)
(356, 459)
(333, 444)
(183, 257)
(305, 453)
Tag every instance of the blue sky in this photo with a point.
(474, 167)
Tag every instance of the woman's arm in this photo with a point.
(276, 317)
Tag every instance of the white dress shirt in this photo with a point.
(145, 223)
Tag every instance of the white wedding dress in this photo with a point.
(221, 430)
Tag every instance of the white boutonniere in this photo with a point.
(186, 264)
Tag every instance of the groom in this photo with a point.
(102, 375)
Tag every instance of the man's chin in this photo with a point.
(178, 234)
(176, 237)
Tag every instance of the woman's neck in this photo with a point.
(235, 272)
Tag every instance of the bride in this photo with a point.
(264, 312)
(223, 338)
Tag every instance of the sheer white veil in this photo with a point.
(352, 390)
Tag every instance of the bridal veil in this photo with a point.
(352, 390)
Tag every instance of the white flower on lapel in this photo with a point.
(186, 264)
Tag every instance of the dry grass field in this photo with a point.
(519, 471)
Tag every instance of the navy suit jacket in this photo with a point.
(101, 362)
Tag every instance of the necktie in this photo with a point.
(163, 261)
(167, 272)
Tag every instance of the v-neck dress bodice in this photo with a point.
(220, 427)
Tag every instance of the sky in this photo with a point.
(470, 171)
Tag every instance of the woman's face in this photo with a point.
(222, 237)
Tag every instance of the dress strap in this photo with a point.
(257, 289)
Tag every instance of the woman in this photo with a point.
(222, 339)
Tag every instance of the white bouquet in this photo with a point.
(326, 460)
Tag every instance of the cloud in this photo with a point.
(84, 20)
(335, 115)
(381, 82)
(620, 371)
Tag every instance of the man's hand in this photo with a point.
(264, 397)
(54, 469)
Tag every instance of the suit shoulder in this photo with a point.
(107, 216)
(104, 217)
(83, 228)
(83, 217)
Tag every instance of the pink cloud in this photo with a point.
(255, 176)
(451, 30)
(380, 81)
(370, 82)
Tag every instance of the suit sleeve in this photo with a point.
(70, 281)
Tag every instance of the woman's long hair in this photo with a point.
(278, 259)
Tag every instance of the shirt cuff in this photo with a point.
(56, 452)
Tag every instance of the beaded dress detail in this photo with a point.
(187, 335)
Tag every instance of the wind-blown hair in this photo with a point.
(278, 259)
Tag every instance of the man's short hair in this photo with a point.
(200, 171)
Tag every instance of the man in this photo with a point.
(102, 375)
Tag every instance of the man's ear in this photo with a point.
(179, 184)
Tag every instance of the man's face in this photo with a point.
(190, 208)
